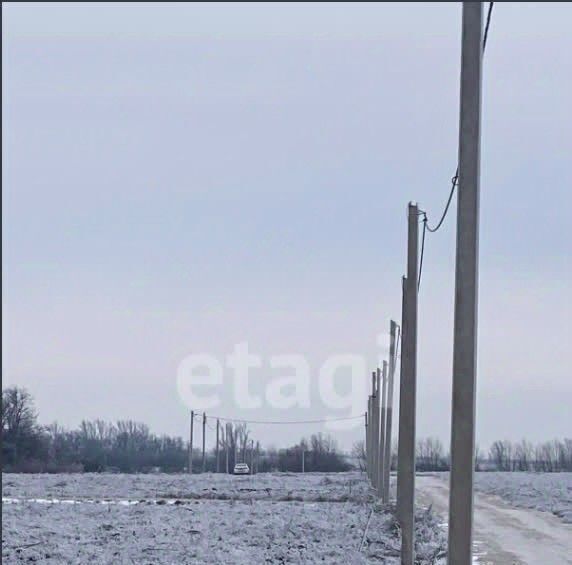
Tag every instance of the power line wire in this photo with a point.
(283, 422)
(454, 182)
(455, 178)
(487, 25)
(422, 252)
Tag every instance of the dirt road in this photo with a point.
(505, 535)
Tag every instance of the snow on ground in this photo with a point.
(266, 486)
(266, 518)
(503, 534)
(549, 492)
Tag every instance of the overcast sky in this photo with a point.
(179, 178)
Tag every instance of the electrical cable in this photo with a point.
(283, 422)
(455, 179)
(422, 252)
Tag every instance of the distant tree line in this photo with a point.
(127, 446)
(318, 453)
(548, 457)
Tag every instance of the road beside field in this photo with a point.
(505, 535)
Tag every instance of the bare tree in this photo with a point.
(523, 455)
(358, 453)
(241, 435)
(501, 455)
(430, 455)
(20, 432)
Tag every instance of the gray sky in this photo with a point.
(179, 178)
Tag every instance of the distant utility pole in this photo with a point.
(235, 454)
(204, 432)
(406, 464)
(366, 438)
(303, 462)
(257, 460)
(389, 410)
(372, 430)
(217, 446)
(382, 439)
(226, 437)
(251, 456)
(375, 435)
(466, 292)
(191, 443)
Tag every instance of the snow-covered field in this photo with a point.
(267, 518)
(549, 492)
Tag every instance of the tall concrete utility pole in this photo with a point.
(401, 387)
(375, 443)
(389, 410)
(382, 438)
(217, 446)
(204, 435)
(368, 437)
(373, 423)
(406, 456)
(375, 440)
(191, 443)
(466, 292)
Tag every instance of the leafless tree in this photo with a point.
(523, 455)
(358, 454)
(430, 454)
(20, 432)
(501, 455)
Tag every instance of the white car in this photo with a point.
(241, 469)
